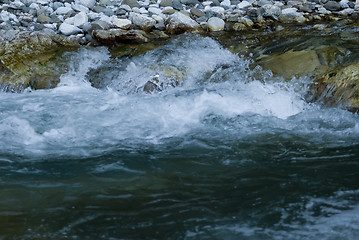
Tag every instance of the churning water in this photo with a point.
(183, 142)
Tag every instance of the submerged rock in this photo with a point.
(340, 87)
(294, 64)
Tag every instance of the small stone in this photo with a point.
(100, 25)
(121, 23)
(269, 10)
(226, 4)
(68, 29)
(176, 4)
(87, 3)
(98, 9)
(215, 24)
(108, 12)
(166, 3)
(80, 19)
(131, 3)
(179, 23)
(169, 11)
(44, 19)
(332, 6)
(154, 10)
(63, 10)
(215, 3)
(189, 2)
(196, 12)
(144, 22)
(57, 5)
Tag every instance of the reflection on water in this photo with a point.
(230, 152)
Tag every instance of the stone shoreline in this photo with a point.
(102, 22)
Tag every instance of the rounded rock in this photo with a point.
(215, 24)
(68, 29)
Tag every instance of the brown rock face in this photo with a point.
(113, 37)
(339, 87)
(29, 58)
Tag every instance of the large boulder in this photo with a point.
(339, 87)
(179, 23)
(30, 58)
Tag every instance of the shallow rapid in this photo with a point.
(187, 141)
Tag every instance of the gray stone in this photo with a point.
(169, 11)
(215, 3)
(176, 4)
(307, 7)
(190, 2)
(109, 12)
(215, 24)
(131, 3)
(197, 13)
(100, 25)
(68, 29)
(211, 13)
(56, 5)
(179, 23)
(87, 3)
(269, 10)
(332, 6)
(264, 2)
(44, 19)
(144, 22)
(98, 9)
(42, 11)
(166, 3)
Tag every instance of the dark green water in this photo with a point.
(245, 158)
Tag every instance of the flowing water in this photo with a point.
(214, 150)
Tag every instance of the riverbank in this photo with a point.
(98, 22)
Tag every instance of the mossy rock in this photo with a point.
(33, 58)
(339, 87)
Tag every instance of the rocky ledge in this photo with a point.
(83, 18)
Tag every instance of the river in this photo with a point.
(218, 150)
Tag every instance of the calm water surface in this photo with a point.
(229, 153)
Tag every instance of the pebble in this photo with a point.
(71, 17)
(68, 29)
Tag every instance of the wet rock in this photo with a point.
(215, 24)
(294, 64)
(28, 58)
(179, 23)
(113, 37)
(340, 87)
